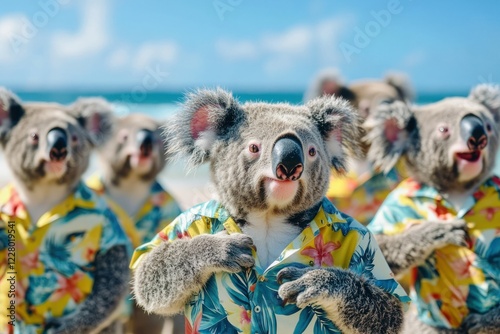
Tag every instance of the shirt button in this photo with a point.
(257, 309)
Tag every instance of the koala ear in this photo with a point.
(340, 126)
(11, 111)
(95, 114)
(389, 133)
(402, 84)
(205, 117)
(489, 96)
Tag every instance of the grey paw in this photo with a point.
(235, 252)
(449, 233)
(476, 324)
(305, 287)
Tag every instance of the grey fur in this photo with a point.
(168, 276)
(428, 160)
(430, 236)
(356, 305)
(110, 287)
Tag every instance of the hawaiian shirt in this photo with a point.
(360, 196)
(454, 281)
(159, 210)
(248, 302)
(51, 270)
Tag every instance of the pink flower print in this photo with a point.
(158, 199)
(30, 261)
(69, 286)
(321, 252)
(14, 207)
(196, 325)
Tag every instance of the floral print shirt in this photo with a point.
(52, 269)
(360, 196)
(454, 281)
(159, 210)
(248, 302)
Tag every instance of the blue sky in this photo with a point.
(244, 44)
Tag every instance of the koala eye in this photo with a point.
(488, 127)
(312, 152)
(253, 148)
(34, 138)
(74, 138)
(443, 129)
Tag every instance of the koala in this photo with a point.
(271, 254)
(131, 159)
(441, 225)
(361, 192)
(71, 265)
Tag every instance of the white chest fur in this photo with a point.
(270, 234)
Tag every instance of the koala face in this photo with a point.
(265, 157)
(45, 142)
(135, 149)
(451, 144)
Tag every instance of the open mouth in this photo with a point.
(472, 156)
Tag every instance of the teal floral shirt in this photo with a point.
(248, 302)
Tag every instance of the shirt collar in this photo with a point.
(12, 206)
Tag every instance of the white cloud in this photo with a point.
(92, 36)
(119, 58)
(295, 40)
(282, 50)
(12, 36)
(236, 50)
(414, 58)
(165, 52)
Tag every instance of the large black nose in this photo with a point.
(288, 158)
(145, 140)
(57, 143)
(472, 131)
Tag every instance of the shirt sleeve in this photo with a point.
(369, 262)
(113, 233)
(186, 225)
(394, 215)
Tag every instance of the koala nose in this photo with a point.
(472, 131)
(288, 159)
(145, 141)
(57, 142)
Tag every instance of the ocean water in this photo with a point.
(162, 104)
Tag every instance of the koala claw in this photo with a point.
(301, 290)
(454, 233)
(237, 252)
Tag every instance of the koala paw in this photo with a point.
(447, 233)
(477, 324)
(234, 252)
(304, 287)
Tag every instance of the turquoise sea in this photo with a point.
(162, 104)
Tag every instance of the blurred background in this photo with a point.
(143, 56)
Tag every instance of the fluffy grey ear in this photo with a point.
(205, 117)
(95, 114)
(489, 96)
(389, 132)
(402, 84)
(11, 112)
(340, 127)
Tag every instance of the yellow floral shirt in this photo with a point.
(360, 196)
(47, 267)
(247, 302)
(453, 281)
(159, 210)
